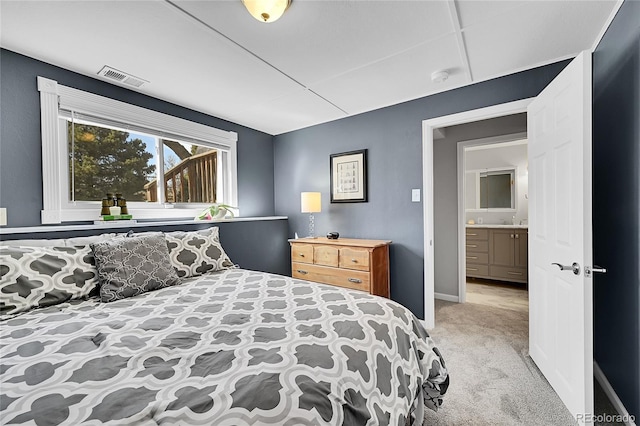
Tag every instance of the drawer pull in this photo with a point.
(517, 235)
(514, 273)
(472, 269)
(354, 260)
(472, 257)
(472, 235)
(301, 255)
(302, 272)
(354, 280)
(472, 245)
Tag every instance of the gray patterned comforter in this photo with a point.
(235, 347)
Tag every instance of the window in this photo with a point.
(165, 167)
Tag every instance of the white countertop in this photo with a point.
(489, 225)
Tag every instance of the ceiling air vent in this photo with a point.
(121, 77)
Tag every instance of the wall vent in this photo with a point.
(121, 77)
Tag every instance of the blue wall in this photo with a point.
(393, 137)
(21, 151)
(616, 204)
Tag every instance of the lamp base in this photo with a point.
(311, 226)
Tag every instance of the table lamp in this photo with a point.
(310, 203)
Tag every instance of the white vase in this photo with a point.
(222, 212)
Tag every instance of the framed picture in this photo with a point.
(349, 177)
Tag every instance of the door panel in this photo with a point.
(561, 334)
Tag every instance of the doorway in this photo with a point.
(430, 131)
(493, 201)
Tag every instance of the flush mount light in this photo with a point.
(266, 10)
(439, 76)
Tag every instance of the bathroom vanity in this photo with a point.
(497, 252)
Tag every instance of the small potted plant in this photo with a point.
(215, 211)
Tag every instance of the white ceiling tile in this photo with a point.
(472, 12)
(534, 34)
(299, 109)
(317, 40)
(397, 79)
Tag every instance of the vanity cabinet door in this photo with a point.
(521, 257)
(501, 252)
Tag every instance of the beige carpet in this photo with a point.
(493, 380)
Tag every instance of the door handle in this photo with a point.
(574, 267)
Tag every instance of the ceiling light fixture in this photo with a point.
(266, 10)
(439, 76)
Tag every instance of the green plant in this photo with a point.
(214, 210)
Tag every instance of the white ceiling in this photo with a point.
(323, 60)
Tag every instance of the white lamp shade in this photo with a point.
(310, 202)
(266, 10)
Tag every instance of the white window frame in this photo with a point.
(57, 207)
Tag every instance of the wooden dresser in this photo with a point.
(345, 262)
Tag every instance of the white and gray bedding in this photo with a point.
(234, 347)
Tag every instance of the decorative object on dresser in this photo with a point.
(347, 262)
(497, 253)
(349, 177)
(333, 235)
(311, 202)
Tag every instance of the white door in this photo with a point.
(560, 301)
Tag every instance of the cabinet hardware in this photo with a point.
(472, 257)
(514, 273)
(354, 280)
(517, 235)
(472, 235)
(354, 260)
(511, 235)
(472, 245)
(472, 269)
(301, 255)
(302, 272)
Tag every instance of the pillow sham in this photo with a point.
(131, 266)
(32, 277)
(196, 253)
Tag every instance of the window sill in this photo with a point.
(49, 228)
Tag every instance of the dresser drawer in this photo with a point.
(354, 258)
(478, 246)
(509, 273)
(477, 234)
(481, 258)
(356, 280)
(302, 253)
(325, 255)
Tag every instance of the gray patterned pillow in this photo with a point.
(128, 267)
(32, 277)
(197, 252)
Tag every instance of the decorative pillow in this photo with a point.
(197, 252)
(128, 267)
(32, 277)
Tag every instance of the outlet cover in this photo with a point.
(415, 195)
(3, 217)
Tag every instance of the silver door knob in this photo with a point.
(574, 267)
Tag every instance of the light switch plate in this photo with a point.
(415, 195)
(3, 216)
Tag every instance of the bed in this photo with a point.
(230, 347)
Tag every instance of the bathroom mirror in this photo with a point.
(491, 190)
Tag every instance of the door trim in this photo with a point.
(428, 127)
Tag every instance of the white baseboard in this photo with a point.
(447, 297)
(613, 397)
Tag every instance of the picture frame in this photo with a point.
(349, 177)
